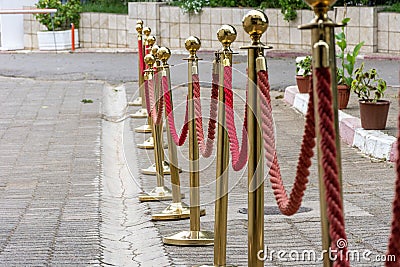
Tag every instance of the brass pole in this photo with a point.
(193, 150)
(140, 101)
(194, 237)
(226, 35)
(176, 210)
(323, 52)
(160, 192)
(156, 129)
(150, 41)
(255, 23)
(140, 98)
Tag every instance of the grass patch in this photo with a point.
(86, 101)
(105, 8)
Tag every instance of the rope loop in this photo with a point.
(288, 205)
(179, 140)
(207, 147)
(156, 105)
(239, 156)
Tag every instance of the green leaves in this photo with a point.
(367, 85)
(347, 60)
(65, 15)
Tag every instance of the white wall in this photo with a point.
(12, 26)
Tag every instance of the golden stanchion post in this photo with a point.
(323, 53)
(141, 113)
(194, 237)
(255, 23)
(177, 210)
(149, 143)
(160, 192)
(150, 41)
(226, 35)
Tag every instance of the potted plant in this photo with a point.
(58, 25)
(303, 74)
(370, 89)
(345, 68)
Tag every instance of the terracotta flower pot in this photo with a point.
(343, 96)
(374, 115)
(303, 83)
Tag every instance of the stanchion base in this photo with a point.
(153, 171)
(149, 144)
(143, 129)
(190, 238)
(213, 265)
(141, 113)
(136, 102)
(157, 194)
(175, 211)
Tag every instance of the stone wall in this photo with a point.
(389, 32)
(97, 30)
(379, 31)
(172, 26)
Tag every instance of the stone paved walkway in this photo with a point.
(49, 173)
(368, 191)
(61, 204)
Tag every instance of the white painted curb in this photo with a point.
(372, 143)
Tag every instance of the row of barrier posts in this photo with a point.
(156, 82)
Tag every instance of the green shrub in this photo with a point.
(289, 8)
(393, 8)
(62, 19)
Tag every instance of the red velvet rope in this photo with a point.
(287, 205)
(329, 165)
(178, 140)
(207, 147)
(147, 96)
(394, 240)
(140, 55)
(239, 158)
(156, 105)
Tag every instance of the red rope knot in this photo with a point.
(179, 140)
(239, 154)
(207, 147)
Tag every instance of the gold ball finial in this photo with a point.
(139, 21)
(320, 3)
(154, 50)
(192, 44)
(139, 28)
(164, 54)
(146, 31)
(255, 23)
(226, 35)
(149, 59)
(151, 40)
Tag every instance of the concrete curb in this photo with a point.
(372, 143)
